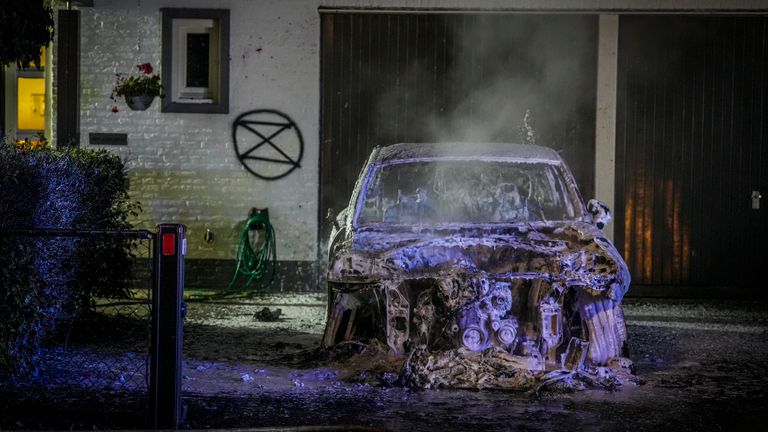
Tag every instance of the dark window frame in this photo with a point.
(220, 106)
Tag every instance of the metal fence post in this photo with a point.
(167, 299)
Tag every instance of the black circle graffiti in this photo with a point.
(257, 122)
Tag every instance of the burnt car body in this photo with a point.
(471, 248)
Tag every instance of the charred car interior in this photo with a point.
(478, 265)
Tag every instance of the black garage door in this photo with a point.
(389, 78)
(692, 143)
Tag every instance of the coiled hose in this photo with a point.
(254, 264)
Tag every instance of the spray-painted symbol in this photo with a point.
(278, 147)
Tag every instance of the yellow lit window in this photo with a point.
(31, 104)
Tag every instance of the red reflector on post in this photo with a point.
(169, 244)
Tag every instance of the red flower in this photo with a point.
(146, 68)
(114, 108)
(156, 77)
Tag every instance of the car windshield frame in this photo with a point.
(566, 178)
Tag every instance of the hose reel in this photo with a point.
(256, 252)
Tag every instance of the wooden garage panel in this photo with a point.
(691, 145)
(389, 78)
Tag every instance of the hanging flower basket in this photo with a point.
(138, 90)
(139, 103)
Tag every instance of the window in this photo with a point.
(30, 113)
(26, 102)
(195, 67)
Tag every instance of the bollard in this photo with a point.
(165, 408)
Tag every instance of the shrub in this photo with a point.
(43, 279)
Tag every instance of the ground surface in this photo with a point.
(702, 366)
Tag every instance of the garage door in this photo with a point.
(692, 142)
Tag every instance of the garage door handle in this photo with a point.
(756, 200)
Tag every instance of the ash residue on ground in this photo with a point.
(701, 366)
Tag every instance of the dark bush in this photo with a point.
(25, 26)
(46, 279)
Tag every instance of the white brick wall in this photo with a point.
(182, 166)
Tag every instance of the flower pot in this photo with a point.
(139, 103)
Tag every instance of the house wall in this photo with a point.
(183, 166)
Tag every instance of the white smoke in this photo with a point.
(503, 67)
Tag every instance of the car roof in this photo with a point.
(466, 150)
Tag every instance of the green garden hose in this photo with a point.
(254, 264)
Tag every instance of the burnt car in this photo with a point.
(476, 248)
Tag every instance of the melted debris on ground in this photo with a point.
(699, 365)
